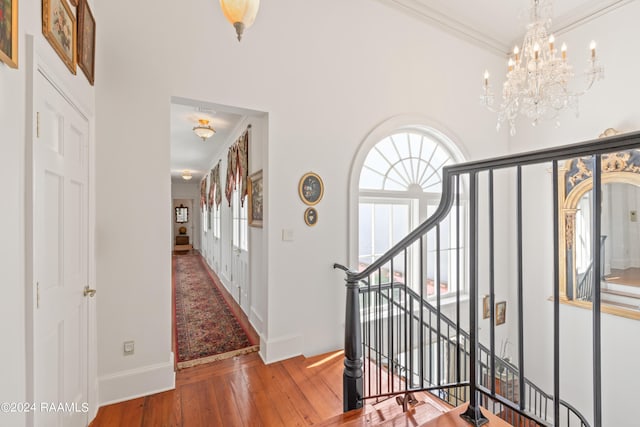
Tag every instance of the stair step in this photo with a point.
(621, 287)
(453, 419)
(621, 304)
(388, 413)
(621, 293)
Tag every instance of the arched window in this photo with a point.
(400, 186)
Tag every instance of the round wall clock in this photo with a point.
(311, 217)
(311, 188)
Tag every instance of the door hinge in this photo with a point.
(37, 294)
(38, 124)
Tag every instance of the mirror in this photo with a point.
(182, 214)
(620, 233)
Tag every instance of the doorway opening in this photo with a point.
(209, 182)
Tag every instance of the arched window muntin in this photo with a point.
(399, 187)
(406, 160)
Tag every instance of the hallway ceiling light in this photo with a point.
(204, 129)
(186, 175)
(537, 77)
(240, 13)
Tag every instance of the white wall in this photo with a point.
(611, 103)
(12, 305)
(326, 79)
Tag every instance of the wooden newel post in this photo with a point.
(352, 376)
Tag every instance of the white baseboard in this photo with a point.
(134, 383)
(256, 321)
(282, 348)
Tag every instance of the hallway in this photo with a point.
(208, 324)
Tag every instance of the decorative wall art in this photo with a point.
(501, 312)
(311, 188)
(256, 199)
(59, 27)
(311, 217)
(9, 32)
(486, 307)
(86, 40)
(182, 215)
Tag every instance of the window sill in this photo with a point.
(448, 300)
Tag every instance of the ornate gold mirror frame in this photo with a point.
(574, 181)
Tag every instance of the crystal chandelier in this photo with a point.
(537, 84)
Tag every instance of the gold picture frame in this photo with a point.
(9, 32)
(59, 28)
(311, 189)
(311, 217)
(501, 312)
(86, 41)
(486, 307)
(255, 189)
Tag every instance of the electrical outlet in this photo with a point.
(129, 347)
(633, 216)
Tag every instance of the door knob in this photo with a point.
(89, 292)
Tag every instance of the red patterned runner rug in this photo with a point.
(206, 328)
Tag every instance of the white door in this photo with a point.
(240, 254)
(60, 259)
(241, 278)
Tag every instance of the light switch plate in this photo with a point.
(287, 235)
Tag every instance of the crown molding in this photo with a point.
(587, 12)
(450, 25)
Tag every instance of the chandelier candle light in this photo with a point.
(537, 77)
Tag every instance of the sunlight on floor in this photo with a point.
(326, 359)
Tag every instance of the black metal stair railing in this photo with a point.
(387, 327)
(390, 374)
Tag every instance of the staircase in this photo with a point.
(397, 342)
(620, 288)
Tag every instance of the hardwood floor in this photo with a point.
(241, 391)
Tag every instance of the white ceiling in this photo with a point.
(499, 24)
(496, 25)
(188, 151)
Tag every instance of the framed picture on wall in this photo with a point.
(86, 40)
(311, 188)
(311, 217)
(59, 27)
(9, 32)
(501, 312)
(256, 199)
(486, 307)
